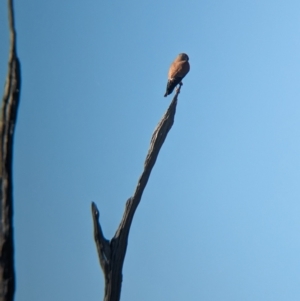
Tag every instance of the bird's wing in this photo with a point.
(179, 69)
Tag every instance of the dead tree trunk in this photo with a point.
(7, 127)
(112, 253)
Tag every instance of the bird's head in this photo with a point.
(183, 56)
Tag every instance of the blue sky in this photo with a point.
(219, 219)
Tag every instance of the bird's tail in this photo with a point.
(172, 83)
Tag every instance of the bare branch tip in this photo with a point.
(95, 210)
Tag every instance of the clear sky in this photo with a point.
(220, 217)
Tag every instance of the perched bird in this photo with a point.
(178, 70)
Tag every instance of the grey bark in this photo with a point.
(8, 116)
(112, 252)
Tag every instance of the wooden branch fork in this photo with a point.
(112, 252)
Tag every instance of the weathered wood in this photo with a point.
(112, 253)
(8, 118)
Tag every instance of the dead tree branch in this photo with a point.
(8, 118)
(112, 253)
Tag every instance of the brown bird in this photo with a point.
(178, 70)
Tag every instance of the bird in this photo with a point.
(178, 70)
